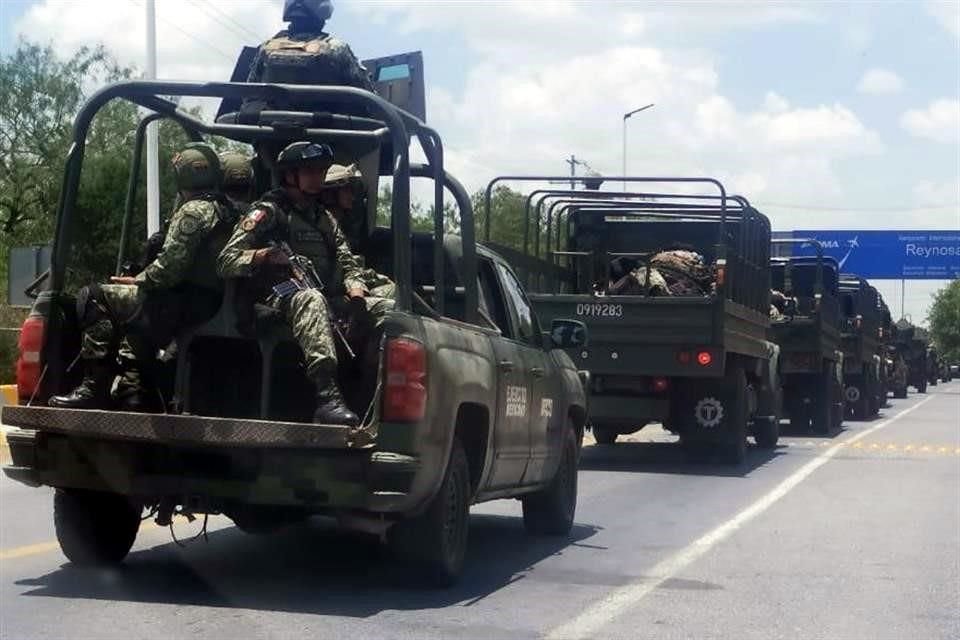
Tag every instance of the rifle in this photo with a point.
(305, 277)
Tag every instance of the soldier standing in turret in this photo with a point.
(305, 54)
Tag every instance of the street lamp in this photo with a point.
(626, 116)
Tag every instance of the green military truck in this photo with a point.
(933, 366)
(912, 346)
(807, 330)
(696, 360)
(860, 339)
(466, 398)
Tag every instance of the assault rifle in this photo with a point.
(305, 277)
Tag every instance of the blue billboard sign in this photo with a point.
(910, 255)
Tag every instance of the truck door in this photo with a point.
(511, 441)
(533, 375)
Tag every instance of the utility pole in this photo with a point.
(153, 146)
(626, 117)
(573, 162)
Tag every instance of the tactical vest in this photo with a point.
(309, 233)
(312, 60)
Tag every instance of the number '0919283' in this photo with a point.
(598, 310)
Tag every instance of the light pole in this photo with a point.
(153, 170)
(626, 117)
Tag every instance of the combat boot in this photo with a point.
(93, 392)
(331, 409)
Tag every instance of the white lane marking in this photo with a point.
(597, 615)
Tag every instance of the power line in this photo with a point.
(194, 37)
(208, 11)
(249, 32)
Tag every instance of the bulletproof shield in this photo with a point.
(398, 79)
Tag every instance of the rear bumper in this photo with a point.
(627, 412)
(316, 468)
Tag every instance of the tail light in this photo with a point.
(721, 272)
(405, 391)
(704, 358)
(28, 364)
(684, 357)
(660, 385)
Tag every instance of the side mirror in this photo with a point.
(568, 334)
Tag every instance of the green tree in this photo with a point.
(944, 319)
(40, 95)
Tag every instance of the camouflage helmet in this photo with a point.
(305, 153)
(339, 175)
(237, 170)
(197, 167)
(300, 11)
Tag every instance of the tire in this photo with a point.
(923, 387)
(766, 432)
(900, 393)
(95, 528)
(800, 423)
(824, 400)
(436, 540)
(604, 435)
(551, 511)
(733, 449)
(856, 400)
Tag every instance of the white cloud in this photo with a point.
(880, 81)
(939, 121)
(931, 193)
(947, 14)
(194, 42)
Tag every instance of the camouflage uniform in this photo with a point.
(177, 288)
(684, 272)
(352, 222)
(304, 54)
(311, 232)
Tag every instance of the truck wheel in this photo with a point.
(436, 540)
(766, 431)
(734, 424)
(900, 392)
(550, 511)
(856, 400)
(923, 387)
(95, 528)
(823, 405)
(604, 435)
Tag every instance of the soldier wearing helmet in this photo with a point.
(343, 196)
(140, 314)
(292, 215)
(237, 181)
(305, 54)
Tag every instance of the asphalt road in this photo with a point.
(854, 536)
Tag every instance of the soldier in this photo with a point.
(179, 287)
(237, 179)
(291, 214)
(343, 196)
(304, 54)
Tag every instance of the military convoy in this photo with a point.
(465, 397)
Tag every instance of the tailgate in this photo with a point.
(181, 429)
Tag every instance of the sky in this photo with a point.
(825, 115)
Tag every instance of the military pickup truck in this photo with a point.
(694, 358)
(466, 398)
(860, 337)
(807, 329)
